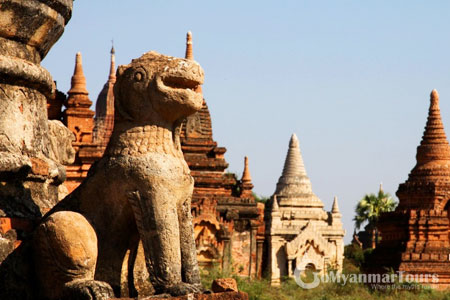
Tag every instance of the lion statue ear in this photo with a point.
(120, 112)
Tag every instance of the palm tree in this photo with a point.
(369, 209)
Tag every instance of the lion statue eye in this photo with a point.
(138, 76)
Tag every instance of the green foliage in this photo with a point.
(371, 206)
(354, 254)
(369, 210)
(260, 198)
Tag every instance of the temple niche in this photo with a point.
(415, 237)
(228, 223)
(299, 232)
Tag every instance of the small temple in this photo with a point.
(415, 237)
(299, 232)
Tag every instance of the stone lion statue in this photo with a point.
(140, 190)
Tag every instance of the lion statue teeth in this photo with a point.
(140, 190)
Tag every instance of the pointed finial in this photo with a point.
(381, 188)
(246, 178)
(189, 53)
(434, 99)
(112, 47)
(335, 208)
(293, 165)
(78, 83)
(293, 142)
(434, 144)
(112, 68)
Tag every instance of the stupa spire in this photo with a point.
(294, 187)
(78, 117)
(335, 208)
(293, 165)
(246, 177)
(78, 83)
(434, 145)
(189, 53)
(112, 68)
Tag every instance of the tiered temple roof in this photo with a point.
(294, 186)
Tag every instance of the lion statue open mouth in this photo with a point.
(140, 190)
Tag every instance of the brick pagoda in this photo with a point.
(79, 118)
(104, 108)
(228, 223)
(415, 237)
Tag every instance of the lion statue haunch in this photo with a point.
(140, 190)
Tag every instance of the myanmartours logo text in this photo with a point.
(377, 281)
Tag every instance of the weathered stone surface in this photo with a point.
(299, 232)
(146, 193)
(415, 237)
(60, 140)
(222, 285)
(29, 173)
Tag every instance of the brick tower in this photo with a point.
(415, 237)
(228, 222)
(79, 118)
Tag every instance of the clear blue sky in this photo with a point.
(350, 78)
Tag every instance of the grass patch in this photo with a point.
(260, 289)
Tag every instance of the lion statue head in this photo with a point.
(157, 88)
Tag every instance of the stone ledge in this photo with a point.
(215, 296)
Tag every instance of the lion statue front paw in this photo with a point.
(87, 290)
